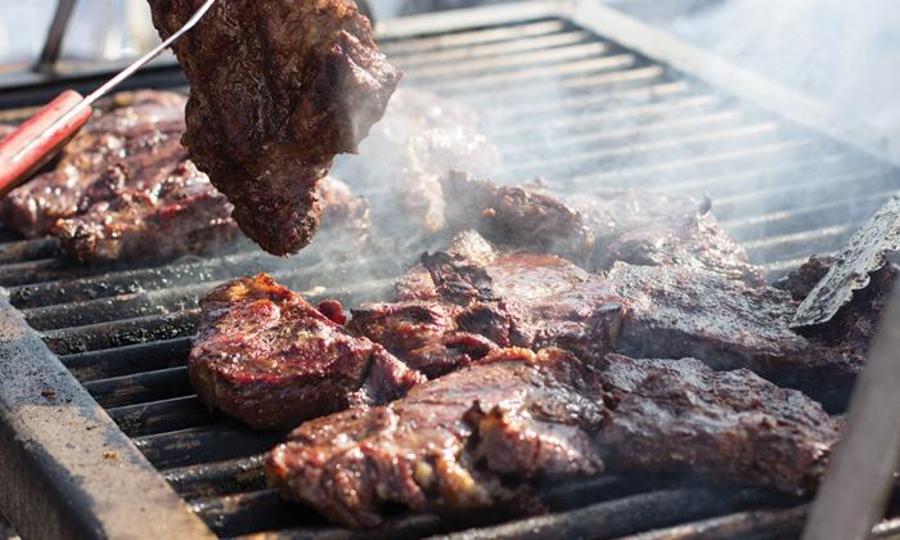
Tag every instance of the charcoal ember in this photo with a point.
(670, 415)
(420, 139)
(653, 229)
(161, 219)
(265, 356)
(476, 438)
(131, 139)
(274, 98)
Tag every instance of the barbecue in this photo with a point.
(266, 134)
(570, 334)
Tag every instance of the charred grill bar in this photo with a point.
(606, 103)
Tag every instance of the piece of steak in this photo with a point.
(267, 357)
(474, 299)
(681, 416)
(162, 219)
(421, 138)
(678, 311)
(654, 229)
(489, 434)
(137, 134)
(640, 228)
(475, 438)
(278, 89)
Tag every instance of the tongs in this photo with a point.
(37, 140)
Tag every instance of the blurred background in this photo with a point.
(844, 52)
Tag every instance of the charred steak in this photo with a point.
(474, 299)
(487, 435)
(679, 415)
(278, 89)
(136, 134)
(267, 357)
(450, 443)
(640, 228)
(678, 311)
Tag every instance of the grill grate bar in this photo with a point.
(419, 45)
(220, 478)
(28, 250)
(140, 388)
(420, 59)
(166, 416)
(153, 355)
(204, 445)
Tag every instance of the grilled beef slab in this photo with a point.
(487, 435)
(640, 228)
(653, 229)
(680, 415)
(474, 299)
(450, 443)
(267, 357)
(136, 136)
(678, 311)
(278, 89)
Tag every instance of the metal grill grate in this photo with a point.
(563, 104)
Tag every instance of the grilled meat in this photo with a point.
(640, 228)
(450, 443)
(474, 300)
(677, 311)
(267, 357)
(137, 135)
(679, 415)
(845, 339)
(653, 229)
(420, 139)
(163, 218)
(278, 89)
(487, 435)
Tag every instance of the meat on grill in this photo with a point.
(473, 300)
(653, 229)
(679, 415)
(267, 357)
(489, 434)
(136, 135)
(640, 228)
(421, 138)
(678, 311)
(451, 443)
(163, 218)
(278, 89)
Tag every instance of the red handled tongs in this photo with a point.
(30, 146)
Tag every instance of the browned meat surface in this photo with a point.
(677, 311)
(136, 136)
(475, 438)
(640, 228)
(679, 415)
(652, 229)
(420, 139)
(473, 300)
(517, 217)
(343, 210)
(178, 214)
(267, 357)
(278, 89)
(489, 434)
(845, 339)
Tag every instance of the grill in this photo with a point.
(102, 429)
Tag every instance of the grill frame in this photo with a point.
(56, 494)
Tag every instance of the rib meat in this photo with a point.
(267, 357)
(677, 311)
(450, 443)
(489, 434)
(278, 89)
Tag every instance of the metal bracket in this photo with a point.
(55, 35)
